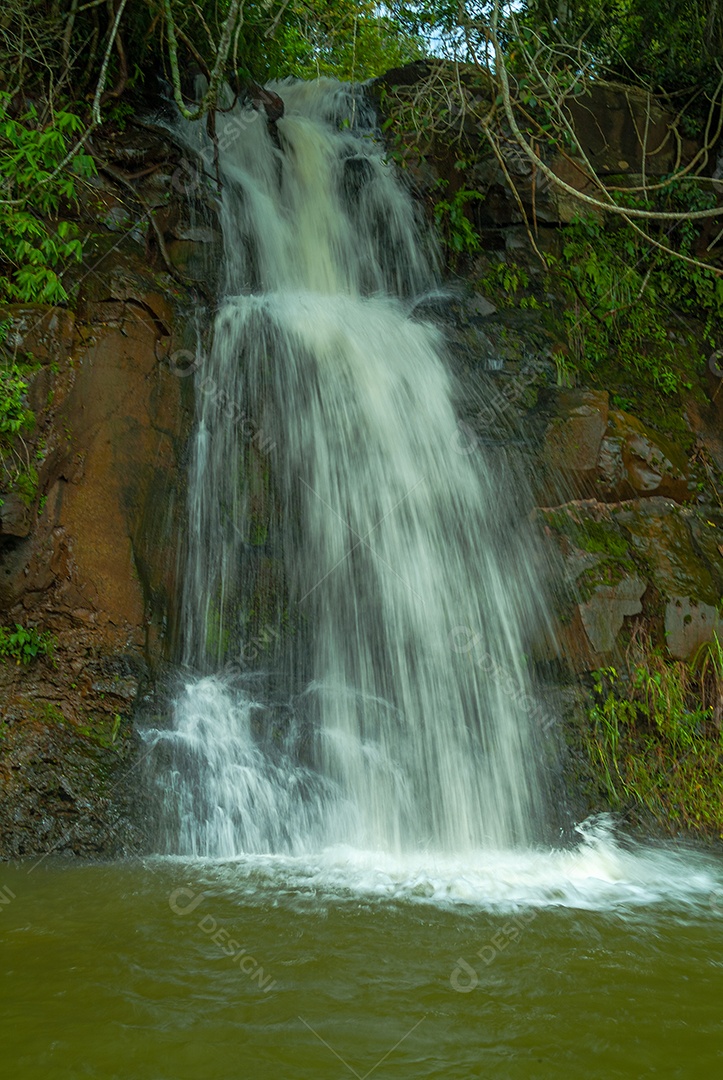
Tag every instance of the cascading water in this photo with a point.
(398, 551)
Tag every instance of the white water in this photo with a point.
(597, 874)
(408, 762)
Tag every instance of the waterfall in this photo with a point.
(405, 692)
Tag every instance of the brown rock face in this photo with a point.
(635, 461)
(615, 146)
(592, 451)
(92, 560)
(648, 557)
(573, 440)
(15, 517)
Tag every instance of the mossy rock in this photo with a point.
(662, 542)
(649, 548)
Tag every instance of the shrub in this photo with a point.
(24, 644)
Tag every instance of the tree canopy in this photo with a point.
(668, 46)
(67, 66)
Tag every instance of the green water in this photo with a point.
(108, 973)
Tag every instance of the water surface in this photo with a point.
(518, 967)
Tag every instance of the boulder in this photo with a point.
(604, 613)
(661, 540)
(688, 624)
(593, 451)
(648, 557)
(15, 517)
(574, 437)
(266, 101)
(636, 461)
(571, 445)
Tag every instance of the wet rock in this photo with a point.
(688, 624)
(60, 793)
(190, 259)
(592, 451)
(43, 331)
(481, 306)
(13, 580)
(637, 461)
(197, 234)
(135, 147)
(639, 557)
(93, 564)
(15, 517)
(661, 537)
(266, 101)
(604, 613)
(126, 688)
(573, 440)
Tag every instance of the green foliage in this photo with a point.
(35, 246)
(24, 644)
(16, 420)
(119, 114)
(620, 297)
(707, 663)
(348, 39)
(507, 284)
(14, 417)
(666, 701)
(610, 717)
(673, 45)
(458, 233)
(655, 738)
(32, 253)
(26, 483)
(564, 370)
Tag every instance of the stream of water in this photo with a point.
(397, 548)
